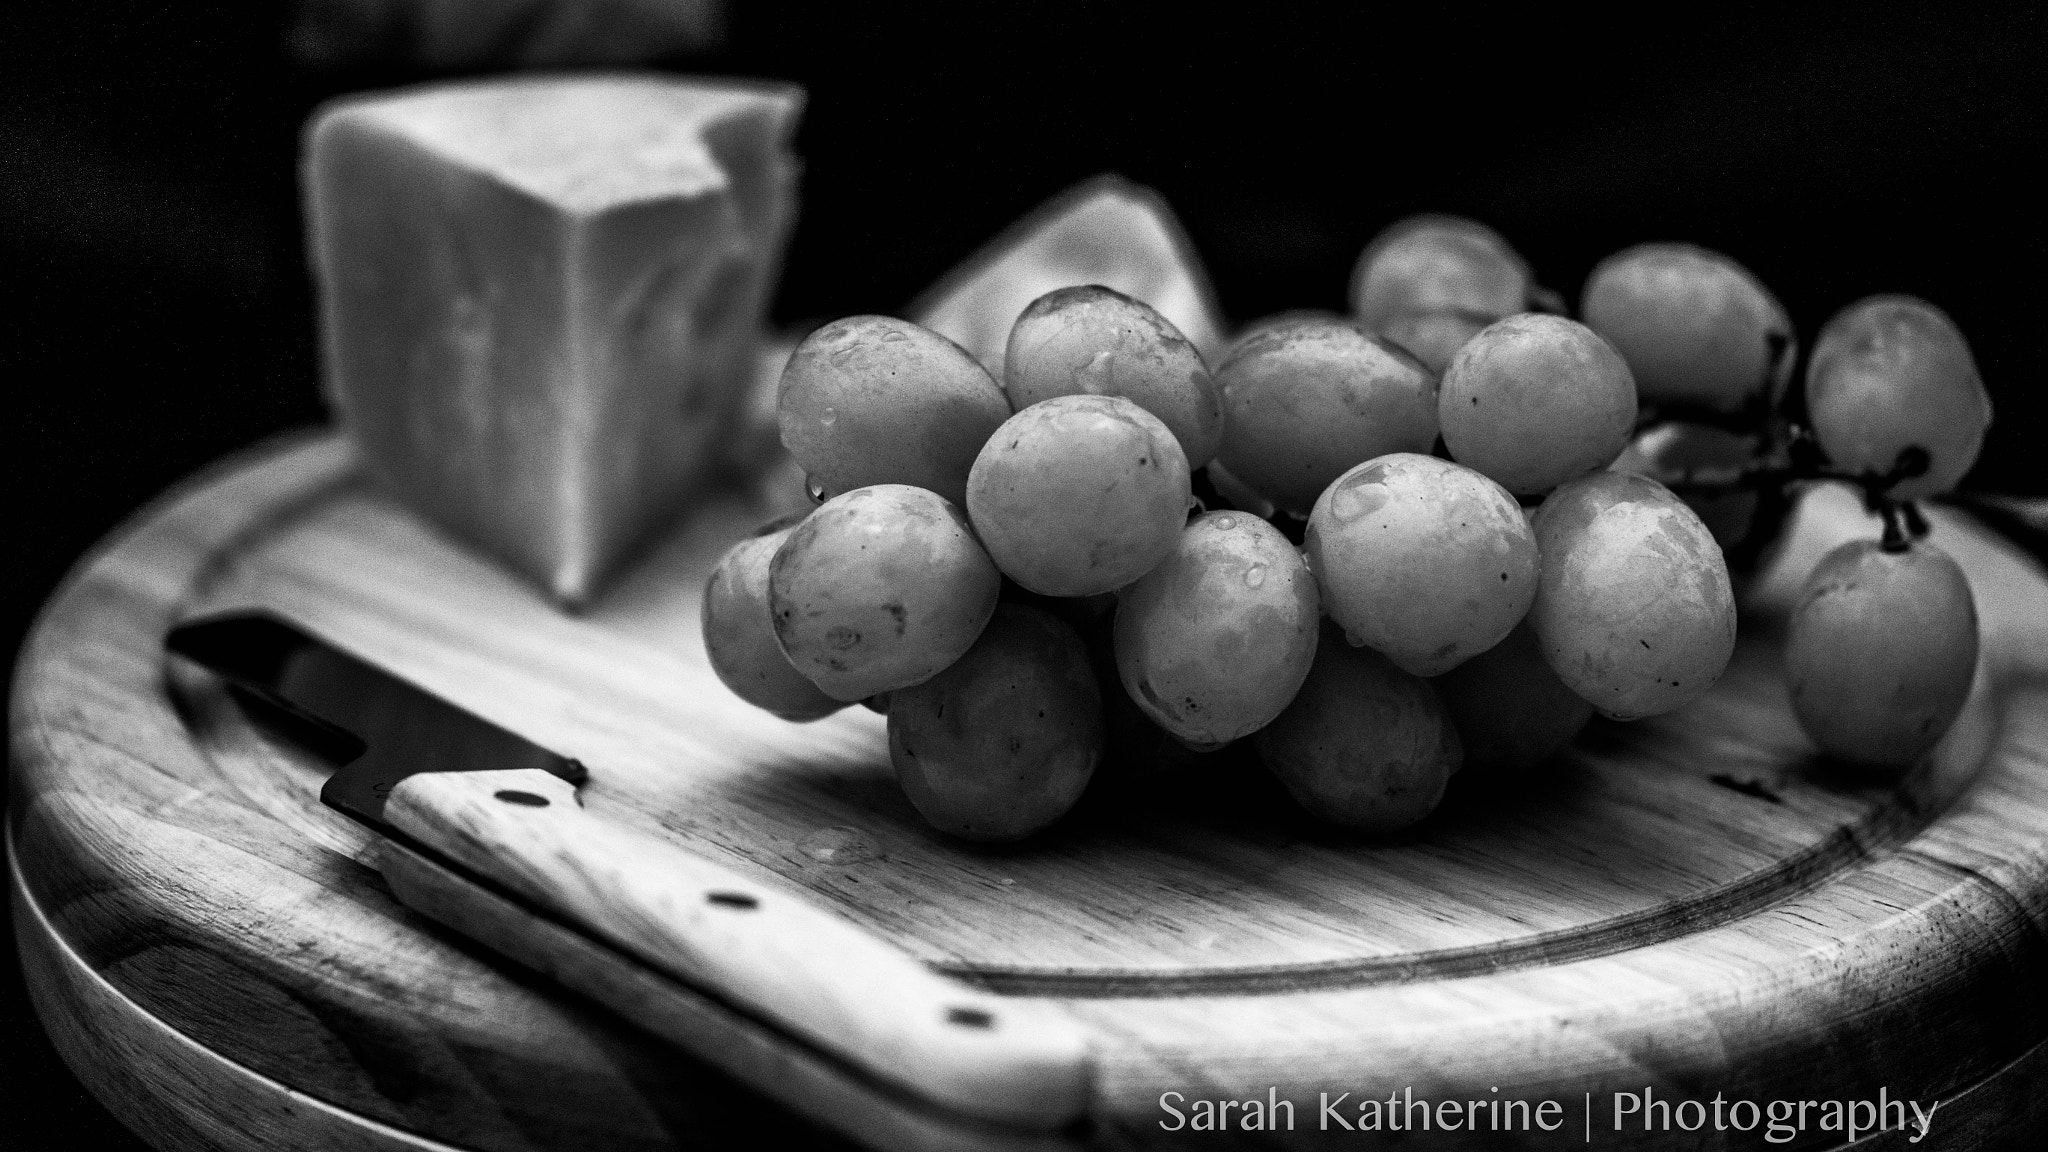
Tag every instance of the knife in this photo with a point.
(451, 786)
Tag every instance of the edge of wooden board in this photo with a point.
(166, 1087)
(82, 791)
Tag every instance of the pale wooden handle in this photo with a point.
(814, 974)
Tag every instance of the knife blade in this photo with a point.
(319, 697)
(463, 791)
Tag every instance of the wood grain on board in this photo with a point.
(1695, 904)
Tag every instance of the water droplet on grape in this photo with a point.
(839, 844)
(1255, 575)
(829, 417)
(1226, 523)
(816, 490)
(1354, 639)
(1347, 504)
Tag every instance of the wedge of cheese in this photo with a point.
(1105, 231)
(541, 298)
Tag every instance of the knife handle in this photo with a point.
(812, 973)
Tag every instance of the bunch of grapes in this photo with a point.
(1441, 532)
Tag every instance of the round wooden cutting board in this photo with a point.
(1676, 910)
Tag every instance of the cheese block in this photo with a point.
(1105, 231)
(541, 298)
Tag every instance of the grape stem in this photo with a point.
(1795, 458)
(1793, 466)
(1894, 534)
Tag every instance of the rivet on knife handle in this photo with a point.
(817, 976)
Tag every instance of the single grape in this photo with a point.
(1694, 326)
(1363, 744)
(1679, 449)
(1511, 710)
(1881, 652)
(1002, 743)
(1534, 400)
(739, 634)
(879, 589)
(1306, 400)
(1438, 264)
(1078, 495)
(1213, 642)
(876, 400)
(1434, 337)
(1634, 609)
(1890, 373)
(1094, 341)
(1423, 560)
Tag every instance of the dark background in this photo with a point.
(157, 312)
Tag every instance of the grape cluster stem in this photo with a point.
(1795, 458)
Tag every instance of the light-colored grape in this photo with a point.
(879, 589)
(1511, 710)
(1213, 642)
(1892, 372)
(1634, 609)
(1306, 400)
(877, 400)
(739, 634)
(1079, 495)
(1363, 744)
(1438, 264)
(1003, 742)
(1423, 560)
(1534, 400)
(1093, 341)
(1881, 652)
(1694, 326)
(1431, 283)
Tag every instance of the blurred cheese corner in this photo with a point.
(438, 36)
(1106, 231)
